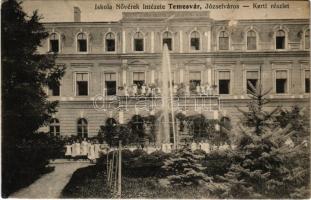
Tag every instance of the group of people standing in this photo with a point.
(86, 149)
(147, 90)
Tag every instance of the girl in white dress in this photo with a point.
(84, 148)
(68, 152)
(77, 149)
(91, 153)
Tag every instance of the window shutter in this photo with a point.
(138, 76)
(251, 43)
(282, 74)
(195, 76)
(252, 75)
(79, 77)
(110, 76)
(307, 74)
(224, 75)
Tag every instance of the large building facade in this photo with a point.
(113, 69)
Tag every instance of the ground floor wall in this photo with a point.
(70, 111)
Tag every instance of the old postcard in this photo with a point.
(171, 99)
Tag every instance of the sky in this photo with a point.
(62, 10)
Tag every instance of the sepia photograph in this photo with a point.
(155, 99)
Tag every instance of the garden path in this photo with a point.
(51, 185)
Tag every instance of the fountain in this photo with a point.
(167, 102)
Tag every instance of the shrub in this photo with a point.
(184, 168)
(138, 163)
(217, 163)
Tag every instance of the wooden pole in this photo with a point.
(111, 171)
(119, 171)
(115, 175)
(107, 166)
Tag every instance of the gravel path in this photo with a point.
(51, 185)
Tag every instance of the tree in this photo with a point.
(261, 167)
(25, 73)
(185, 168)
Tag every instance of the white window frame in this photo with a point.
(250, 68)
(256, 40)
(55, 124)
(287, 81)
(88, 83)
(200, 40)
(115, 42)
(144, 41)
(87, 125)
(87, 43)
(285, 42)
(138, 71)
(104, 81)
(229, 40)
(171, 38)
(217, 80)
(59, 42)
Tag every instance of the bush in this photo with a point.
(138, 163)
(217, 163)
(184, 168)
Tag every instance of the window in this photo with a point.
(251, 40)
(138, 42)
(54, 90)
(54, 127)
(195, 79)
(195, 40)
(307, 81)
(281, 82)
(82, 80)
(138, 79)
(224, 82)
(82, 42)
(54, 43)
(111, 83)
(223, 40)
(110, 42)
(251, 78)
(82, 128)
(280, 40)
(307, 39)
(167, 39)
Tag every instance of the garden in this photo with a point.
(271, 160)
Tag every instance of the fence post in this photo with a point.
(119, 171)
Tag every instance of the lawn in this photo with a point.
(90, 182)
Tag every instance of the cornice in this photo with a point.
(212, 55)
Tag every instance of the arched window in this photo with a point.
(54, 43)
(223, 40)
(82, 128)
(307, 39)
(82, 42)
(138, 41)
(280, 39)
(195, 40)
(167, 39)
(110, 42)
(54, 127)
(251, 40)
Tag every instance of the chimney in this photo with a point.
(77, 14)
